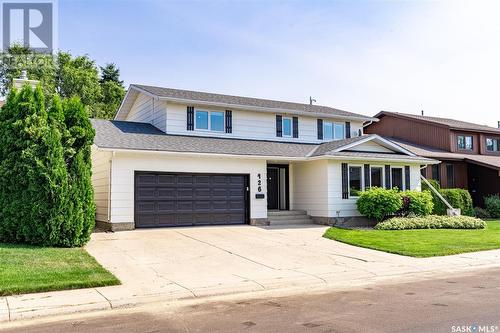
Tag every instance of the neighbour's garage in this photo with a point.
(165, 199)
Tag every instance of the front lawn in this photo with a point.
(423, 242)
(28, 269)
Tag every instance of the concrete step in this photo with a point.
(272, 213)
(290, 222)
(288, 217)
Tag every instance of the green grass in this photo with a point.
(424, 242)
(28, 269)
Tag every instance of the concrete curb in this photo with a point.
(30, 306)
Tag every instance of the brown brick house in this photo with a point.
(469, 153)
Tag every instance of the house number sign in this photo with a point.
(259, 183)
(259, 194)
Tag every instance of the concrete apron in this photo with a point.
(164, 265)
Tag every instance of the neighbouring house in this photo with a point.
(470, 153)
(179, 158)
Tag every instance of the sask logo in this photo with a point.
(474, 329)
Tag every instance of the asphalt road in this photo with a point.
(453, 304)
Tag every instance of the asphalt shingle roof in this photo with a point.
(116, 134)
(429, 152)
(245, 101)
(452, 123)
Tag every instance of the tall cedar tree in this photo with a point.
(45, 170)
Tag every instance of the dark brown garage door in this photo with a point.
(181, 199)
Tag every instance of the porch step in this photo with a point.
(288, 217)
(285, 212)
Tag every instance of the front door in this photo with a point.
(273, 188)
(277, 187)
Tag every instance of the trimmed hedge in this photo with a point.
(378, 203)
(492, 204)
(431, 222)
(458, 198)
(416, 203)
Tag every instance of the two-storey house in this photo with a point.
(470, 153)
(176, 158)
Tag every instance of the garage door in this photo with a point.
(181, 199)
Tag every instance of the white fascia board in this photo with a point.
(274, 158)
(376, 137)
(161, 152)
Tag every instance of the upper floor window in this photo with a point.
(492, 144)
(287, 127)
(464, 142)
(209, 120)
(333, 131)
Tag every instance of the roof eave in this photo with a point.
(252, 108)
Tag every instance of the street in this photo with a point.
(458, 303)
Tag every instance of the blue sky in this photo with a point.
(361, 56)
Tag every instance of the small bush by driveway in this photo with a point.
(423, 242)
(28, 269)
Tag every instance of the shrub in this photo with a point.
(378, 203)
(416, 203)
(492, 204)
(432, 222)
(458, 198)
(433, 182)
(481, 213)
(45, 189)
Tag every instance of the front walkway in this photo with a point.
(175, 263)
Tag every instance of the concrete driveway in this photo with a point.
(201, 261)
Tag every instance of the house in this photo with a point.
(177, 158)
(470, 153)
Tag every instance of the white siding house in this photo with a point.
(176, 158)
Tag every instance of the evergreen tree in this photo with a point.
(46, 194)
(110, 73)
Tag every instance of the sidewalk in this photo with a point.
(190, 263)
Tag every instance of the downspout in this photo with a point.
(452, 211)
(110, 178)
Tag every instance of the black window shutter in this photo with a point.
(347, 129)
(367, 176)
(388, 176)
(229, 121)
(407, 177)
(295, 127)
(320, 129)
(279, 126)
(345, 182)
(190, 118)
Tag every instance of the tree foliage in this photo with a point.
(100, 91)
(46, 195)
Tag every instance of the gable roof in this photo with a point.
(126, 135)
(429, 152)
(230, 101)
(446, 122)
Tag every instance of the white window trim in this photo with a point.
(209, 121)
(349, 179)
(333, 130)
(382, 174)
(402, 177)
(283, 127)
